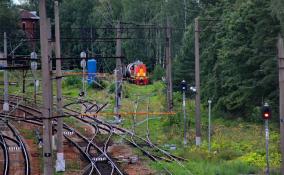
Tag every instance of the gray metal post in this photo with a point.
(169, 68)
(6, 83)
(60, 162)
(281, 97)
(46, 90)
(267, 146)
(209, 125)
(197, 85)
(118, 73)
(184, 117)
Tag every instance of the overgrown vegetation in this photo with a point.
(238, 71)
(237, 147)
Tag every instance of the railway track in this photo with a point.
(5, 154)
(99, 162)
(131, 138)
(4, 139)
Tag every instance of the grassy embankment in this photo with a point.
(238, 147)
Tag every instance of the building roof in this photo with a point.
(29, 15)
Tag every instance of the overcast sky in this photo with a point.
(18, 1)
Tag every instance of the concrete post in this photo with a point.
(46, 90)
(197, 85)
(60, 162)
(281, 97)
(169, 68)
(118, 73)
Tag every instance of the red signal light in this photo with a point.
(266, 112)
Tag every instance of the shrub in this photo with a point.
(111, 88)
(74, 81)
(98, 84)
(158, 73)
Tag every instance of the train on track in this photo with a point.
(136, 73)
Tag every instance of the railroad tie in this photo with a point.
(14, 148)
(99, 159)
(68, 133)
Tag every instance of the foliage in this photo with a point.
(74, 81)
(158, 73)
(111, 88)
(238, 66)
(277, 9)
(237, 43)
(98, 84)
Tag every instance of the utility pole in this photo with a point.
(60, 162)
(281, 97)
(6, 83)
(46, 90)
(169, 67)
(197, 85)
(118, 73)
(50, 49)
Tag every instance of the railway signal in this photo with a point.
(83, 64)
(266, 112)
(34, 68)
(6, 83)
(266, 115)
(184, 89)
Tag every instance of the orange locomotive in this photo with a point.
(137, 73)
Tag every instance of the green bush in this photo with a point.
(125, 91)
(158, 73)
(73, 81)
(111, 88)
(98, 84)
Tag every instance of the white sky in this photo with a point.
(19, 1)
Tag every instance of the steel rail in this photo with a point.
(87, 149)
(6, 155)
(98, 148)
(23, 148)
(87, 157)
